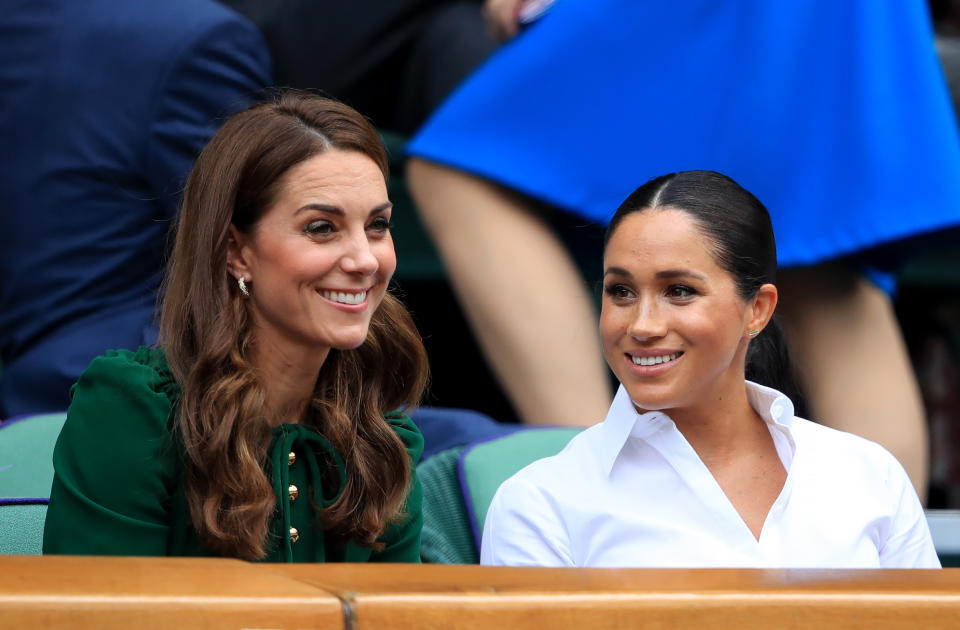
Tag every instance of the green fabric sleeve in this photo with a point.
(402, 539)
(115, 465)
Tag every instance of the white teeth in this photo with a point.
(345, 298)
(655, 360)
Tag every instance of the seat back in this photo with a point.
(486, 465)
(446, 537)
(26, 474)
(459, 483)
(945, 530)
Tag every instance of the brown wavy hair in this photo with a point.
(206, 336)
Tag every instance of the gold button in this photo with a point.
(294, 492)
(294, 535)
(292, 457)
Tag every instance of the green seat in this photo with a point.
(459, 483)
(26, 474)
(484, 466)
(446, 536)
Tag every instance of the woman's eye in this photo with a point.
(617, 291)
(319, 228)
(680, 291)
(380, 224)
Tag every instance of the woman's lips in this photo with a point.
(350, 300)
(652, 363)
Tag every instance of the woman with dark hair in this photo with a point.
(835, 114)
(267, 425)
(700, 460)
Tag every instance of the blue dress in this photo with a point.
(835, 114)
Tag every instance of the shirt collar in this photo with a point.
(772, 405)
(624, 421)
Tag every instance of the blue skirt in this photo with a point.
(834, 114)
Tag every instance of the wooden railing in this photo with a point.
(180, 593)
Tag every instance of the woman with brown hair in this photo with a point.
(267, 423)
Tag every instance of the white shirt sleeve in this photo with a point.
(909, 544)
(523, 529)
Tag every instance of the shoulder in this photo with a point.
(116, 462)
(860, 481)
(845, 458)
(127, 373)
(173, 19)
(132, 392)
(408, 433)
(119, 428)
(210, 24)
(831, 443)
(142, 360)
(211, 55)
(166, 27)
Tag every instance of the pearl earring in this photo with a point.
(242, 283)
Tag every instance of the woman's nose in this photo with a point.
(648, 321)
(359, 257)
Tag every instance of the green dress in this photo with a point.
(118, 483)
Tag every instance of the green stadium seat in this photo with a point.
(459, 483)
(484, 466)
(446, 537)
(26, 474)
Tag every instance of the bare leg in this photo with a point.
(521, 293)
(853, 361)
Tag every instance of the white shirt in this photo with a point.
(632, 492)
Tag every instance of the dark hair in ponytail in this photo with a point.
(742, 234)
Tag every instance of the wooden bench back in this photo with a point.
(78, 592)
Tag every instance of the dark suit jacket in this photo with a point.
(104, 105)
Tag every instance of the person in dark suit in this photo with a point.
(393, 60)
(104, 106)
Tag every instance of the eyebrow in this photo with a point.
(666, 274)
(337, 210)
(617, 271)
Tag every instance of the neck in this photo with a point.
(288, 373)
(722, 425)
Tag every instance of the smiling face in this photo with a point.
(319, 259)
(673, 325)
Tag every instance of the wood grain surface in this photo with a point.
(148, 593)
(210, 594)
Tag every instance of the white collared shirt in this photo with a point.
(632, 492)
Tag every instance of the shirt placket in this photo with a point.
(772, 544)
(726, 522)
(284, 458)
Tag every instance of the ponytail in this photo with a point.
(769, 364)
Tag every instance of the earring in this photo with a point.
(753, 333)
(242, 283)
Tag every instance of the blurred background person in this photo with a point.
(392, 60)
(104, 105)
